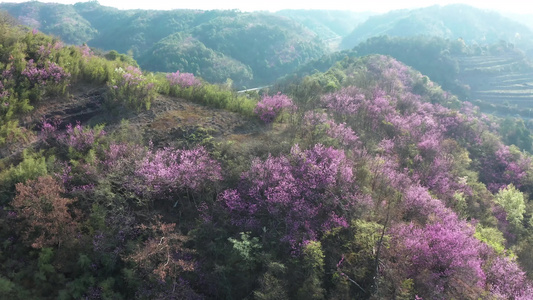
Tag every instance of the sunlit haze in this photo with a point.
(515, 6)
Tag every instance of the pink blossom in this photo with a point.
(183, 80)
(271, 106)
(168, 170)
(296, 197)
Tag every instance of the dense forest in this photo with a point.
(365, 174)
(209, 44)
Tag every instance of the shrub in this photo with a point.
(45, 220)
(47, 76)
(130, 87)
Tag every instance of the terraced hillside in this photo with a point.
(504, 82)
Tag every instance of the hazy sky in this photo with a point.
(516, 6)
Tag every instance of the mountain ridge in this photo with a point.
(452, 21)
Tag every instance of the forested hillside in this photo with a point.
(267, 45)
(254, 49)
(331, 25)
(249, 48)
(473, 25)
(367, 181)
(497, 77)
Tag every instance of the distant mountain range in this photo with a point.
(450, 22)
(254, 48)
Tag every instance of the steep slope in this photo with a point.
(406, 122)
(496, 76)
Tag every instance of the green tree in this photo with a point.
(512, 201)
(6, 288)
(272, 284)
(313, 265)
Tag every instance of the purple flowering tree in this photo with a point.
(507, 281)
(316, 124)
(294, 198)
(167, 171)
(5, 103)
(39, 74)
(80, 138)
(86, 52)
(47, 52)
(270, 107)
(344, 102)
(443, 258)
(502, 167)
(182, 80)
